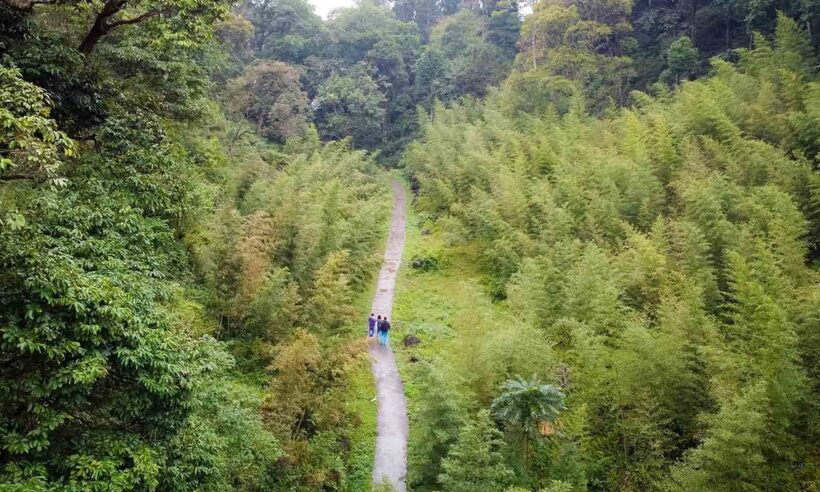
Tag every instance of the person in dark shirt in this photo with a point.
(371, 325)
(384, 331)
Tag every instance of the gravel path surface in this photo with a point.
(391, 439)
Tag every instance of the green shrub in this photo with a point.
(427, 261)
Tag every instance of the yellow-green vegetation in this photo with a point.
(362, 402)
(178, 294)
(618, 290)
(468, 344)
(650, 280)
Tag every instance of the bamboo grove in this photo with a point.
(623, 196)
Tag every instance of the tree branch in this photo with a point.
(135, 20)
(15, 177)
(98, 29)
(104, 22)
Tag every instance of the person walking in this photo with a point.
(371, 325)
(379, 322)
(384, 332)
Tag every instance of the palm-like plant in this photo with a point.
(524, 404)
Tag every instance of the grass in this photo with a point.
(361, 402)
(447, 308)
(443, 304)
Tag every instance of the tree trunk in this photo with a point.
(728, 48)
(99, 28)
(532, 43)
(692, 14)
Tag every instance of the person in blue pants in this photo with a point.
(384, 331)
(371, 324)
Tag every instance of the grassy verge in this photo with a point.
(361, 401)
(445, 306)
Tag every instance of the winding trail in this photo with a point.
(391, 439)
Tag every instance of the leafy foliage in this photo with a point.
(525, 404)
(33, 147)
(134, 349)
(182, 250)
(439, 421)
(268, 95)
(474, 461)
(663, 252)
(351, 106)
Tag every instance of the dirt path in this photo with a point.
(391, 438)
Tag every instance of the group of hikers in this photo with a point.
(381, 326)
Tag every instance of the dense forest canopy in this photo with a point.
(662, 256)
(193, 195)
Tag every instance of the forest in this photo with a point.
(611, 276)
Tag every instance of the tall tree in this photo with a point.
(526, 405)
(586, 42)
(351, 105)
(189, 18)
(440, 418)
(474, 461)
(269, 96)
(286, 30)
